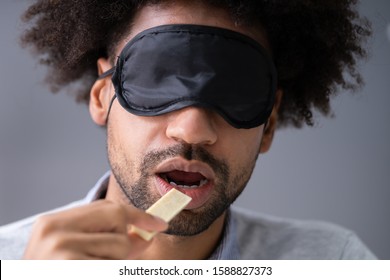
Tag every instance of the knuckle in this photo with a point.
(64, 246)
(44, 225)
(58, 242)
(117, 209)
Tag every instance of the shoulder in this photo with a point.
(14, 236)
(266, 237)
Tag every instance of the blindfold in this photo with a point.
(170, 67)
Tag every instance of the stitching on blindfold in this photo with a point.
(161, 107)
(200, 30)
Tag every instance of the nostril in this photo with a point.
(192, 125)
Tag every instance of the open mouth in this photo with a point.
(193, 178)
(182, 179)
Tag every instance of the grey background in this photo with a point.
(51, 153)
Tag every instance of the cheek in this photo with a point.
(133, 135)
(242, 145)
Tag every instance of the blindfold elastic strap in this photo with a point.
(109, 108)
(107, 73)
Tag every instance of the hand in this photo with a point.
(95, 231)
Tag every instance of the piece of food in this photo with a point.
(166, 208)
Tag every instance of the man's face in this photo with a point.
(193, 149)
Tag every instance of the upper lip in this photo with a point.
(186, 166)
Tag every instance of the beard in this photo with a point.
(138, 191)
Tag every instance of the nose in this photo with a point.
(192, 125)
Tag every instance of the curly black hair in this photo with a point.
(316, 44)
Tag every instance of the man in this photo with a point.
(190, 93)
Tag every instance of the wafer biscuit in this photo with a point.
(166, 208)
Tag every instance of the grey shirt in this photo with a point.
(247, 235)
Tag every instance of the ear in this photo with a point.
(101, 94)
(269, 130)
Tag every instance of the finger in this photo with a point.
(144, 220)
(101, 216)
(111, 246)
(55, 247)
(79, 246)
(138, 246)
(94, 217)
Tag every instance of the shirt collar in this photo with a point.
(98, 189)
(228, 246)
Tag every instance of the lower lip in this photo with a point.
(199, 195)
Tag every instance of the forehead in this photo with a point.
(187, 12)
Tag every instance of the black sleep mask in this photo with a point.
(170, 67)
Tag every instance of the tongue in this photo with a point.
(185, 178)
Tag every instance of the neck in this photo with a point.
(171, 247)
